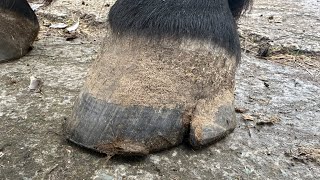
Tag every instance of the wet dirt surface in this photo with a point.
(278, 134)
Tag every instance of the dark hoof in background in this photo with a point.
(18, 29)
(138, 130)
(115, 129)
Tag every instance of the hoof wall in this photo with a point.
(116, 129)
(138, 130)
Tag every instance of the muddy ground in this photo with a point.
(277, 99)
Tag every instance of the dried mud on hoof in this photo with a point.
(144, 96)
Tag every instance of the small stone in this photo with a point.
(247, 117)
(155, 159)
(174, 154)
(241, 110)
(34, 83)
(100, 175)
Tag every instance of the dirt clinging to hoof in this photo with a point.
(146, 79)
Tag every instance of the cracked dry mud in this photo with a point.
(278, 101)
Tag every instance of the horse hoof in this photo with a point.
(163, 75)
(140, 107)
(18, 29)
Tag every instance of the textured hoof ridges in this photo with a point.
(138, 130)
